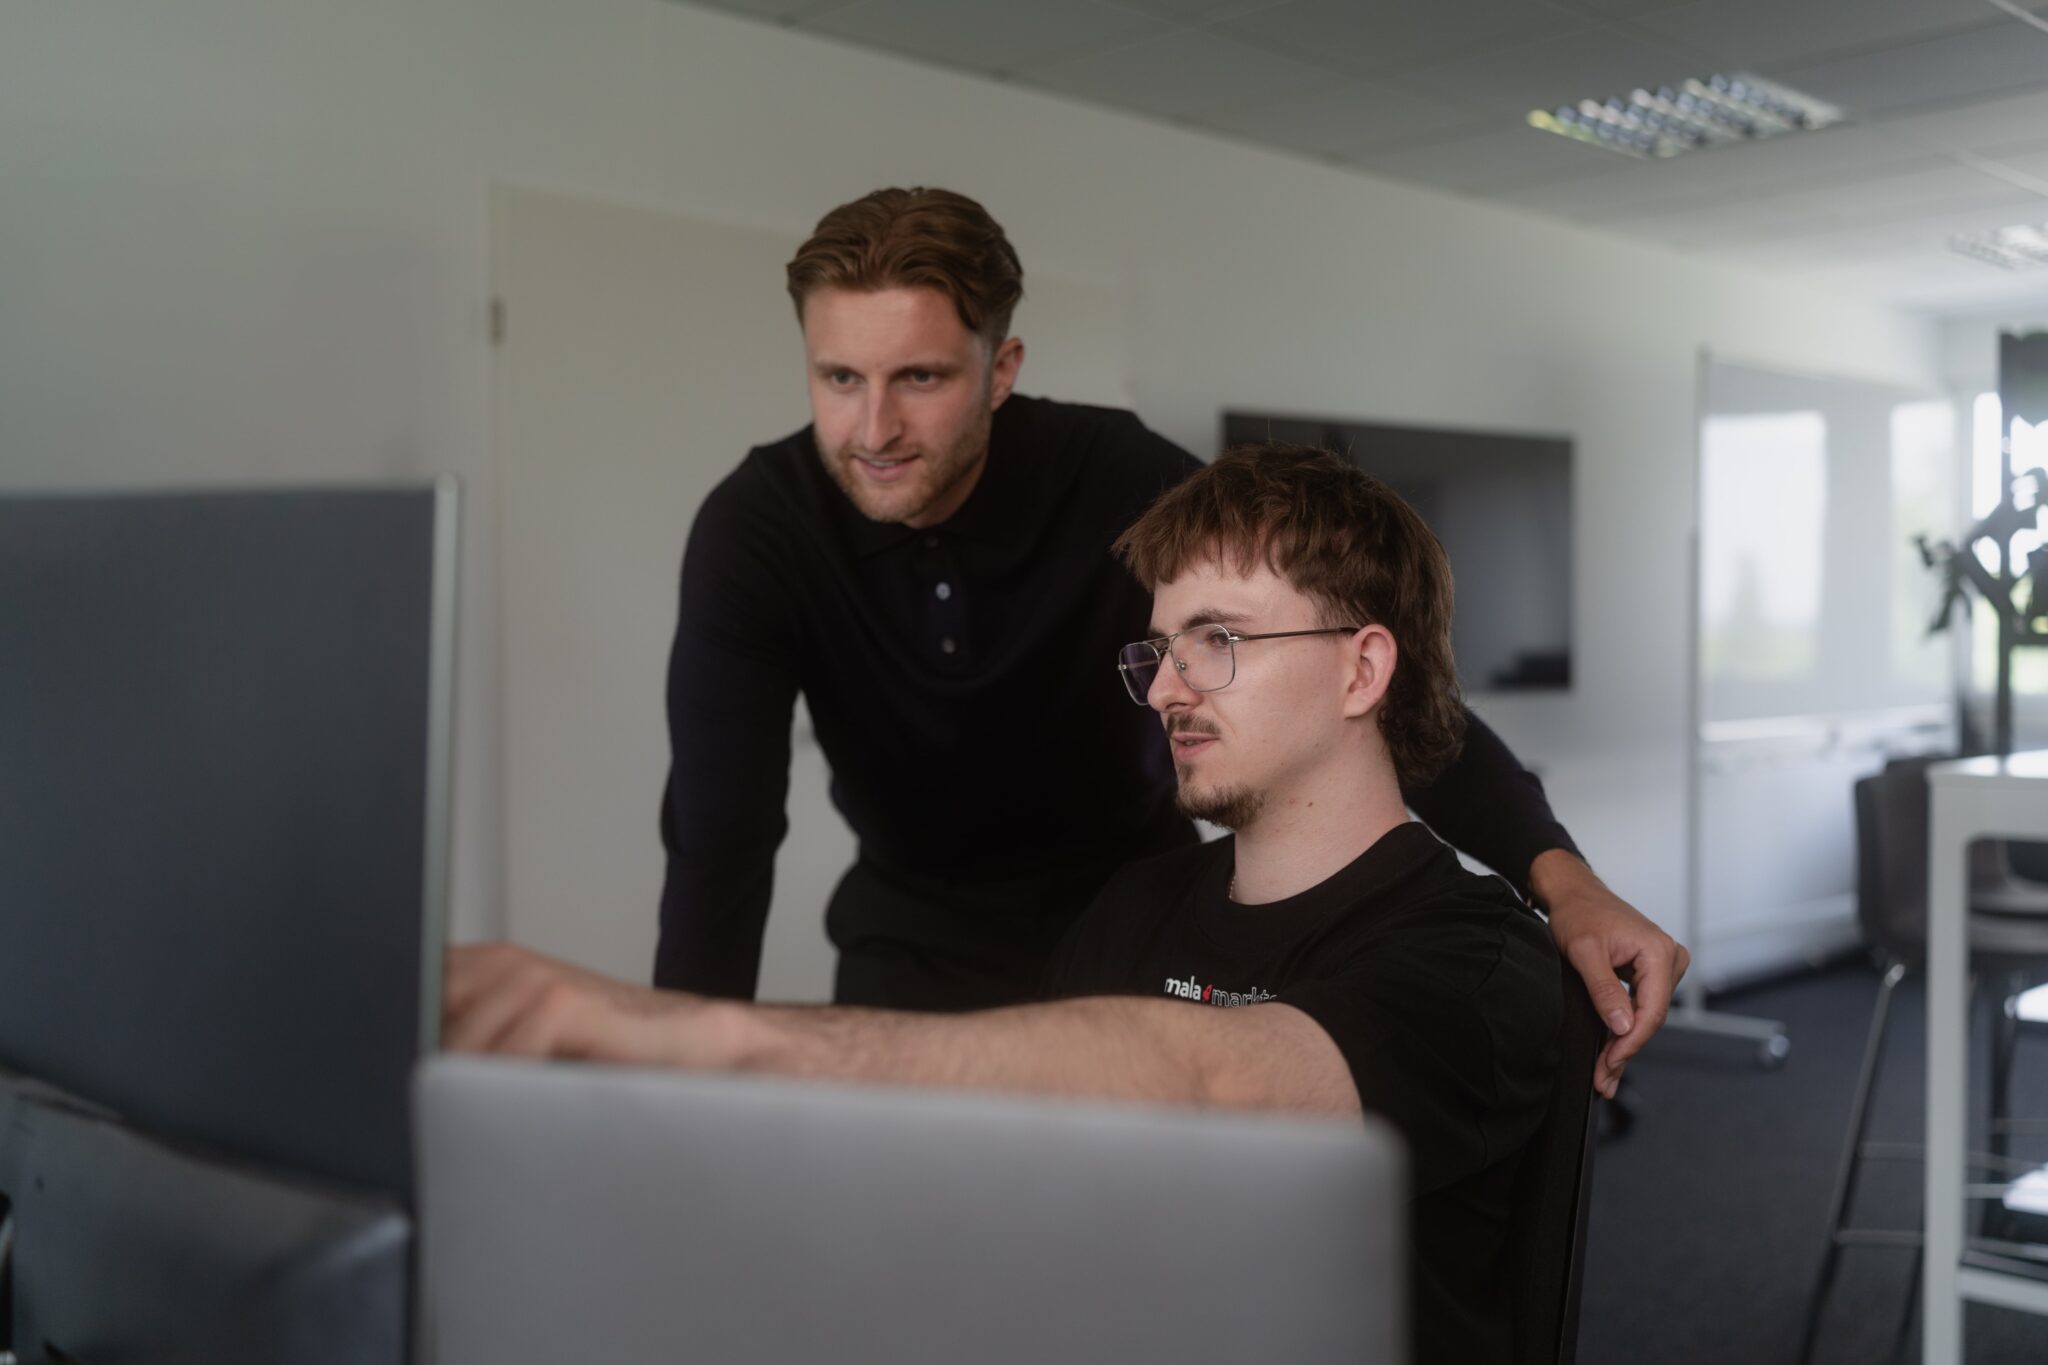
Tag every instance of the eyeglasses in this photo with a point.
(1206, 658)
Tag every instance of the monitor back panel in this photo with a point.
(127, 1249)
(607, 1214)
(214, 799)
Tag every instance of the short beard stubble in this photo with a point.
(945, 469)
(1230, 807)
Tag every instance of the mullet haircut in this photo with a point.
(915, 239)
(1349, 544)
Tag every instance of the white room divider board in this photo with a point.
(642, 354)
(1814, 663)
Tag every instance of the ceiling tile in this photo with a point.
(1594, 196)
(1186, 71)
(1981, 126)
(1199, 11)
(1834, 156)
(2030, 161)
(1924, 232)
(985, 35)
(1757, 34)
(1338, 120)
(1701, 181)
(1827, 226)
(1591, 64)
(1920, 192)
(2001, 59)
(1434, 92)
(1624, 9)
(1472, 162)
(1368, 36)
(783, 11)
(1842, 152)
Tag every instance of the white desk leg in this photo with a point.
(1948, 1034)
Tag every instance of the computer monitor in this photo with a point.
(125, 1248)
(224, 748)
(740, 1218)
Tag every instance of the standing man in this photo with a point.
(928, 563)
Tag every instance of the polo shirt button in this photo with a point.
(944, 590)
(931, 542)
(947, 646)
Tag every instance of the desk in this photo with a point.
(1972, 799)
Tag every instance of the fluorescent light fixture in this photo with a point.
(2008, 248)
(1687, 117)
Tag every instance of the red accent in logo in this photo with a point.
(1206, 991)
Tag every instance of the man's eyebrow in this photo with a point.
(827, 365)
(1206, 616)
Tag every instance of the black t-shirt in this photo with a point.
(1439, 987)
(963, 686)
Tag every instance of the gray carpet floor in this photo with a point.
(1708, 1214)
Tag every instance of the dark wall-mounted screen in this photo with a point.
(1501, 504)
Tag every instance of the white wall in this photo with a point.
(246, 241)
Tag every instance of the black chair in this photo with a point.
(2008, 942)
(1546, 1251)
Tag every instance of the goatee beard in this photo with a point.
(1230, 807)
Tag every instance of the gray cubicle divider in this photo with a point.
(224, 718)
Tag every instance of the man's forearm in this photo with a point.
(1149, 1050)
(1558, 873)
(501, 998)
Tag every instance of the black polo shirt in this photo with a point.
(963, 685)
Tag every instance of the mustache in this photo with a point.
(1178, 724)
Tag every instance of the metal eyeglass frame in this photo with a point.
(1162, 650)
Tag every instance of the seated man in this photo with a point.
(1302, 666)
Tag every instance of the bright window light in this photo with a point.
(2029, 1193)
(1764, 491)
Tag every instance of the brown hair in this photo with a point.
(915, 239)
(1348, 543)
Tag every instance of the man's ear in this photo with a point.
(1003, 367)
(1373, 659)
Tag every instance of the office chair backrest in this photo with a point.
(1546, 1250)
(1891, 858)
(1892, 812)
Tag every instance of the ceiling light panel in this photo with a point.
(1688, 117)
(2010, 248)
